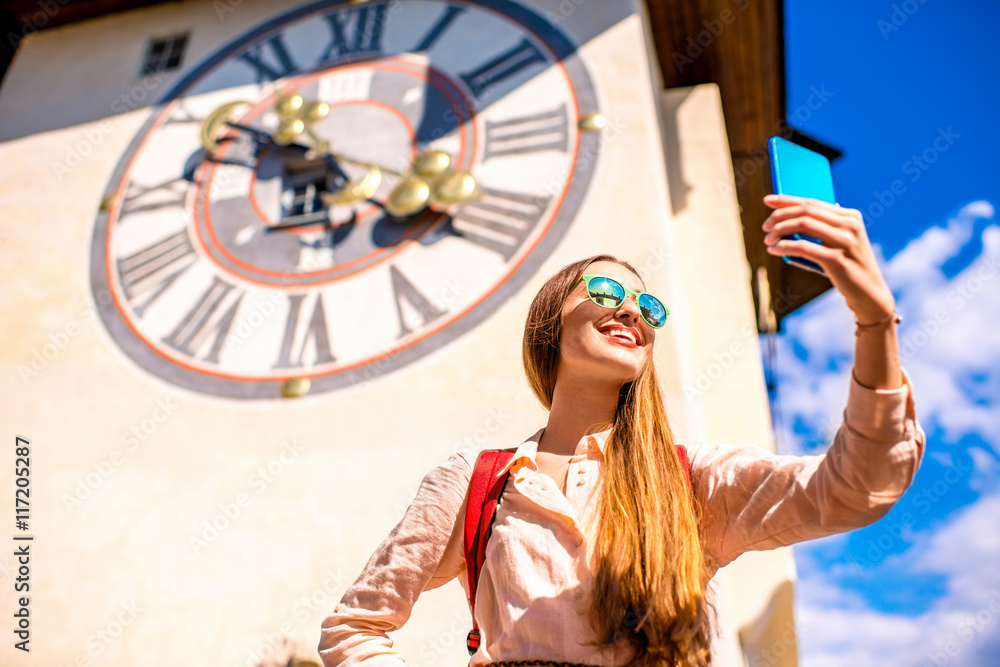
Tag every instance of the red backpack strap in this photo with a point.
(484, 494)
(682, 454)
(485, 489)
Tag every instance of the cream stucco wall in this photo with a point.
(116, 579)
(724, 379)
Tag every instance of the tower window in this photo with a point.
(163, 55)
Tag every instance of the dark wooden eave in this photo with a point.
(19, 18)
(746, 59)
(32, 15)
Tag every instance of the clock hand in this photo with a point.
(431, 181)
(282, 226)
(364, 163)
(214, 122)
(356, 190)
(260, 135)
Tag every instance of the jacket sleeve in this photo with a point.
(423, 551)
(752, 500)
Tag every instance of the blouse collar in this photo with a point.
(525, 453)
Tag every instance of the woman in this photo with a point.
(601, 551)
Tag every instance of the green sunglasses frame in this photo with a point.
(586, 281)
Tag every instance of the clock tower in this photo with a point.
(269, 262)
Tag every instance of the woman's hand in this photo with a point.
(846, 254)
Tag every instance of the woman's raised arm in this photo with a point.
(753, 500)
(847, 257)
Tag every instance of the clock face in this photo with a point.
(341, 191)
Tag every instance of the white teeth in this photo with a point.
(622, 333)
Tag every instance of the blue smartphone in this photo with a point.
(798, 171)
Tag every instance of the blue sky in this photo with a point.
(912, 99)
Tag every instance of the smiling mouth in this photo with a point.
(621, 336)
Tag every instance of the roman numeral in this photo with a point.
(139, 198)
(280, 63)
(500, 221)
(365, 37)
(548, 130)
(351, 84)
(503, 66)
(246, 143)
(450, 14)
(153, 269)
(404, 289)
(315, 330)
(197, 325)
(182, 114)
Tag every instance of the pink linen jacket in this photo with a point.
(534, 593)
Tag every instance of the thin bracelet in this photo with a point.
(894, 317)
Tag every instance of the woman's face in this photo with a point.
(599, 341)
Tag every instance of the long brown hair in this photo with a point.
(650, 573)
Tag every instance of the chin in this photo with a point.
(619, 371)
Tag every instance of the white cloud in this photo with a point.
(838, 627)
(950, 344)
(950, 335)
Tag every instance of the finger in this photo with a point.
(844, 218)
(779, 201)
(830, 235)
(822, 255)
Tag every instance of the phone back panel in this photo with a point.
(799, 171)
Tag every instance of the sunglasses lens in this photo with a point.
(606, 292)
(654, 312)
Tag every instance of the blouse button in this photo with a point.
(581, 482)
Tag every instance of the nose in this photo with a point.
(630, 306)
